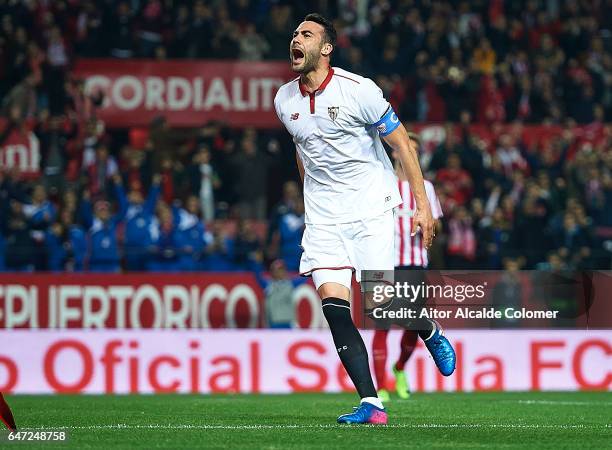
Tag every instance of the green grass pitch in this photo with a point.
(465, 420)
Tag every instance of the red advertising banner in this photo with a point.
(136, 301)
(186, 93)
(21, 150)
(278, 361)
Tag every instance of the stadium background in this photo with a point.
(106, 104)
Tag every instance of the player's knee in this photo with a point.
(335, 290)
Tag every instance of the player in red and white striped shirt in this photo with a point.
(409, 254)
(409, 250)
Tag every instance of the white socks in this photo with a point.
(373, 401)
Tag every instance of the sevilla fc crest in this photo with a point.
(333, 112)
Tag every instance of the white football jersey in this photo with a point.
(409, 250)
(347, 173)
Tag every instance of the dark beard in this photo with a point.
(310, 63)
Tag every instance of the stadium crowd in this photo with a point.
(169, 199)
(537, 61)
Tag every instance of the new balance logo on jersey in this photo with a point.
(295, 116)
(333, 112)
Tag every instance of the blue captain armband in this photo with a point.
(387, 123)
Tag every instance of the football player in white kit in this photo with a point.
(335, 118)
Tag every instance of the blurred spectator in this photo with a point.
(150, 27)
(530, 228)
(278, 288)
(193, 234)
(220, 250)
(168, 143)
(290, 230)
(138, 223)
(494, 240)
(100, 170)
(136, 169)
(180, 46)
(21, 98)
(461, 249)
(246, 245)
(54, 133)
(484, 57)
(21, 252)
(253, 46)
(509, 156)
(57, 59)
(89, 28)
(103, 252)
(40, 212)
(508, 293)
(167, 242)
(204, 181)
(120, 31)
(291, 195)
(225, 43)
(11, 189)
(66, 245)
(456, 182)
(251, 170)
(201, 33)
(572, 236)
(278, 30)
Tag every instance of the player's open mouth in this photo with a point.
(297, 55)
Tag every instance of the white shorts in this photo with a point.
(333, 252)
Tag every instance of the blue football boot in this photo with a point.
(365, 413)
(442, 351)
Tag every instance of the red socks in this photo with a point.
(379, 354)
(6, 415)
(407, 345)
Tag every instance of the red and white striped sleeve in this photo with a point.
(434, 202)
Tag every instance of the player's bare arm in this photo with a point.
(399, 141)
(300, 166)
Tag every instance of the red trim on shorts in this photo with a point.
(308, 273)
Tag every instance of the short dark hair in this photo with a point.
(328, 26)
